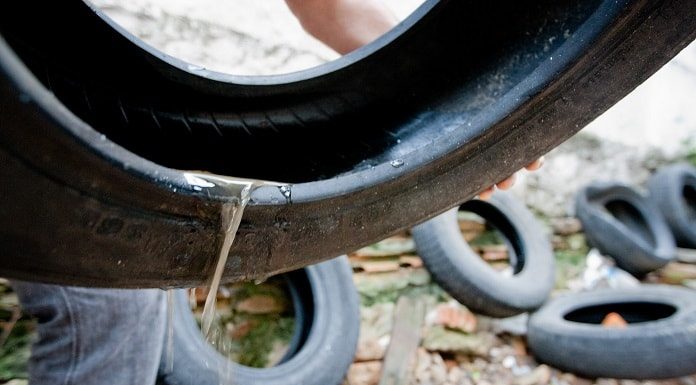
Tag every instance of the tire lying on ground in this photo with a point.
(658, 342)
(625, 225)
(673, 191)
(327, 323)
(473, 282)
(97, 126)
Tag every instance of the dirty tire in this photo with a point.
(97, 126)
(652, 349)
(622, 223)
(469, 279)
(673, 191)
(329, 323)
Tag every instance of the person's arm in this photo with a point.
(343, 25)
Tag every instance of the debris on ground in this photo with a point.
(601, 272)
(452, 315)
(441, 339)
(566, 226)
(677, 273)
(389, 247)
(364, 373)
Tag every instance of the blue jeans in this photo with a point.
(94, 336)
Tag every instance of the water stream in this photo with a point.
(238, 192)
(170, 332)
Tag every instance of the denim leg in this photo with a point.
(94, 336)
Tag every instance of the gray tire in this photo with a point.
(566, 333)
(622, 223)
(469, 279)
(330, 321)
(673, 191)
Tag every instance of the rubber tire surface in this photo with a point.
(673, 191)
(323, 357)
(636, 235)
(664, 348)
(469, 279)
(97, 126)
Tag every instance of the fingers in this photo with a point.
(503, 185)
(487, 193)
(507, 182)
(535, 165)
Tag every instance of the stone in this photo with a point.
(515, 325)
(438, 369)
(371, 284)
(390, 247)
(676, 272)
(453, 316)
(379, 266)
(541, 375)
(375, 326)
(364, 373)
(566, 226)
(370, 349)
(421, 373)
(455, 375)
(411, 260)
(438, 338)
(607, 381)
(260, 304)
(499, 254)
(467, 226)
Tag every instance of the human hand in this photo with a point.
(509, 181)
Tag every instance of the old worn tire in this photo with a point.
(331, 323)
(96, 127)
(469, 279)
(622, 223)
(655, 348)
(673, 191)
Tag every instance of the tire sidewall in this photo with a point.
(655, 349)
(612, 237)
(443, 248)
(323, 359)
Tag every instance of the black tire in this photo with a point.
(95, 125)
(623, 224)
(329, 327)
(661, 348)
(673, 191)
(469, 279)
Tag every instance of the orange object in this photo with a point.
(614, 320)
